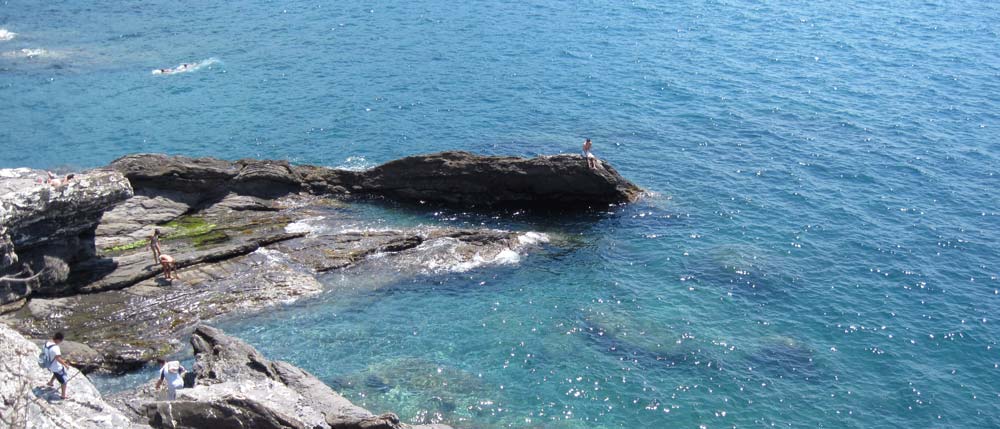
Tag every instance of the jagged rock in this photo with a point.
(46, 228)
(239, 386)
(35, 213)
(24, 402)
(227, 412)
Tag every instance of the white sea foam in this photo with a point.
(187, 67)
(271, 255)
(6, 35)
(355, 163)
(304, 225)
(28, 53)
(447, 255)
(532, 238)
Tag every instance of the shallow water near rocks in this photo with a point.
(820, 248)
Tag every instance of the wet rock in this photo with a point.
(132, 326)
(27, 403)
(127, 270)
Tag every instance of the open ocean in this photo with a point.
(820, 246)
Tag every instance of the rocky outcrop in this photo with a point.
(238, 387)
(246, 235)
(46, 228)
(208, 177)
(131, 326)
(452, 178)
(25, 402)
(467, 180)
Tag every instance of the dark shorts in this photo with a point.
(61, 376)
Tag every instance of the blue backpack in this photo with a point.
(44, 361)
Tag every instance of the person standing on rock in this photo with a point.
(591, 159)
(169, 266)
(173, 373)
(154, 245)
(57, 365)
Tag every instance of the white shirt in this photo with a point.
(171, 373)
(51, 351)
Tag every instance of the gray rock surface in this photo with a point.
(47, 228)
(132, 326)
(237, 387)
(25, 402)
(135, 218)
(211, 178)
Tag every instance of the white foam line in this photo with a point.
(186, 67)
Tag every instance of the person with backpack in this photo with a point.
(173, 373)
(51, 359)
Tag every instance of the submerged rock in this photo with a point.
(27, 403)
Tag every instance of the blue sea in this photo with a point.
(820, 245)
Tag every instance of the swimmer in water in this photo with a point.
(181, 68)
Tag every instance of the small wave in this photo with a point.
(6, 35)
(304, 225)
(451, 255)
(28, 53)
(532, 238)
(444, 255)
(355, 163)
(187, 67)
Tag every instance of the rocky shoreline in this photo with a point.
(74, 257)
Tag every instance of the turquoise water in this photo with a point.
(820, 248)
